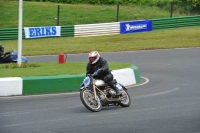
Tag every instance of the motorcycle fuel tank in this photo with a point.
(99, 82)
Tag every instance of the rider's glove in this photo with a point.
(97, 72)
(7, 53)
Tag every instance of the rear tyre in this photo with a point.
(126, 100)
(87, 98)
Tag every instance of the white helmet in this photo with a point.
(93, 57)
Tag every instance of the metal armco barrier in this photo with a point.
(107, 28)
(97, 29)
(176, 22)
(67, 31)
(12, 33)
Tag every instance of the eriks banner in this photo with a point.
(47, 31)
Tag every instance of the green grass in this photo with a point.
(159, 39)
(54, 68)
(44, 13)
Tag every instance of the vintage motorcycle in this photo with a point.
(14, 57)
(95, 93)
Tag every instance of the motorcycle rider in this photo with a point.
(3, 57)
(98, 66)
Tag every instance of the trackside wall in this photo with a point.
(11, 86)
(58, 84)
(51, 84)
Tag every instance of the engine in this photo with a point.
(112, 92)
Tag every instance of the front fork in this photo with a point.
(94, 89)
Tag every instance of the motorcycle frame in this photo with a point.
(94, 89)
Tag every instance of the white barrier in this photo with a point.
(10, 86)
(96, 29)
(14, 86)
(124, 76)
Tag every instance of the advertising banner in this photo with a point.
(47, 31)
(135, 26)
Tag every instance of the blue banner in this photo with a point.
(135, 26)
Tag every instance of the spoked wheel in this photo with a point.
(87, 98)
(126, 101)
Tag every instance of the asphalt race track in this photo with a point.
(168, 103)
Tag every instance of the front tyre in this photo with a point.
(125, 99)
(87, 98)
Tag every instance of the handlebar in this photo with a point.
(91, 75)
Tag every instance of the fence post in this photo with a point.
(58, 16)
(117, 12)
(171, 9)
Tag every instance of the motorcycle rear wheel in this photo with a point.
(127, 100)
(87, 98)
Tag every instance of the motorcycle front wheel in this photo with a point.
(87, 98)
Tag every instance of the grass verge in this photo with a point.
(158, 39)
(53, 68)
(44, 13)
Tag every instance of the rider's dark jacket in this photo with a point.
(100, 64)
(2, 54)
(3, 57)
(105, 73)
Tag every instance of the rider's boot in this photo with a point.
(112, 85)
(118, 92)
